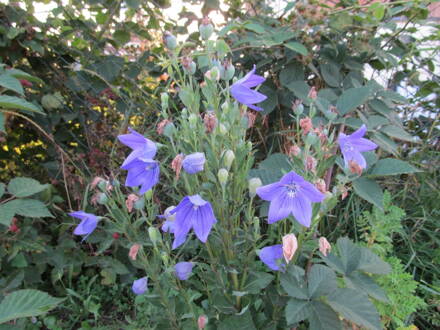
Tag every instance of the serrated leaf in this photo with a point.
(299, 88)
(297, 310)
(323, 317)
(258, 281)
(385, 142)
(16, 103)
(292, 281)
(29, 208)
(7, 212)
(350, 254)
(355, 306)
(351, 99)
(371, 263)
(11, 83)
(331, 74)
(369, 190)
(297, 47)
(365, 283)
(321, 281)
(392, 166)
(26, 303)
(25, 187)
(397, 133)
(243, 322)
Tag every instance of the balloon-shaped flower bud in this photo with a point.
(202, 321)
(227, 70)
(206, 28)
(154, 234)
(194, 163)
(189, 65)
(253, 185)
(324, 246)
(134, 249)
(222, 175)
(193, 119)
(229, 157)
(210, 121)
(170, 41)
(140, 286)
(306, 125)
(183, 270)
(290, 244)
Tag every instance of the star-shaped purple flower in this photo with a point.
(183, 270)
(272, 256)
(87, 225)
(142, 172)
(352, 145)
(242, 92)
(291, 195)
(192, 212)
(141, 146)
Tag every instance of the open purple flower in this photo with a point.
(194, 163)
(168, 225)
(272, 256)
(87, 225)
(142, 172)
(291, 195)
(192, 212)
(242, 92)
(352, 145)
(183, 270)
(140, 286)
(141, 146)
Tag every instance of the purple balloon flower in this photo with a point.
(183, 270)
(291, 195)
(192, 212)
(87, 225)
(352, 145)
(141, 146)
(140, 286)
(242, 92)
(142, 172)
(272, 256)
(194, 163)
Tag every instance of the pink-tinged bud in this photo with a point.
(129, 202)
(115, 235)
(354, 167)
(13, 228)
(294, 150)
(324, 246)
(344, 193)
(251, 116)
(306, 125)
(96, 180)
(202, 321)
(134, 251)
(161, 126)
(311, 163)
(25, 83)
(176, 164)
(322, 137)
(290, 244)
(313, 94)
(210, 121)
(321, 186)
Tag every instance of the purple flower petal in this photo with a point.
(183, 270)
(140, 286)
(242, 92)
(144, 173)
(360, 132)
(352, 145)
(302, 210)
(168, 226)
(253, 80)
(135, 141)
(202, 221)
(280, 207)
(88, 222)
(291, 178)
(272, 256)
(363, 145)
(194, 163)
(311, 192)
(268, 192)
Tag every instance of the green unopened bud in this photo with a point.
(222, 129)
(52, 101)
(253, 184)
(165, 258)
(298, 109)
(193, 119)
(227, 71)
(149, 194)
(206, 29)
(102, 198)
(189, 66)
(164, 98)
(170, 41)
(102, 185)
(312, 138)
(154, 234)
(229, 158)
(169, 130)
(223, 176)
(213, 74)
(139, 204)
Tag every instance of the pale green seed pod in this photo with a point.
(223, 176)
(170, 41)
(253, 184)
(206, 30)
(222, 129)
(229, 157)
(154, 234)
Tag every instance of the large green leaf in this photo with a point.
(331, 74)
(258, 281)
(272, 168)
(299, 88)
(29, 208)
(323, 317)
(13, 102)
(292, 281)
(321, 281)
(25, 187)
(355, 306)
(297, 310)
(391, 166)
(26, 303)
(350, 254)
(351, 99)
(11, 83)
(243, 322)
(365, 283)
(2, 189)
(369, 190)
(397, 133)
(297, 47)
(23, 75)
(6, 213)
(371, 263)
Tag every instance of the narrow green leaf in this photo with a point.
(24, 75)
(369, 190)
(25, 187)
(391, 166)
(297, 47)
(26, 303)
(11, 83)
(351, 99)
(13, 102)
(355, 306)
(257, 28)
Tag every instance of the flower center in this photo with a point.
(148, 167)
(348, 147)
(292, 189)
(195, 207)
